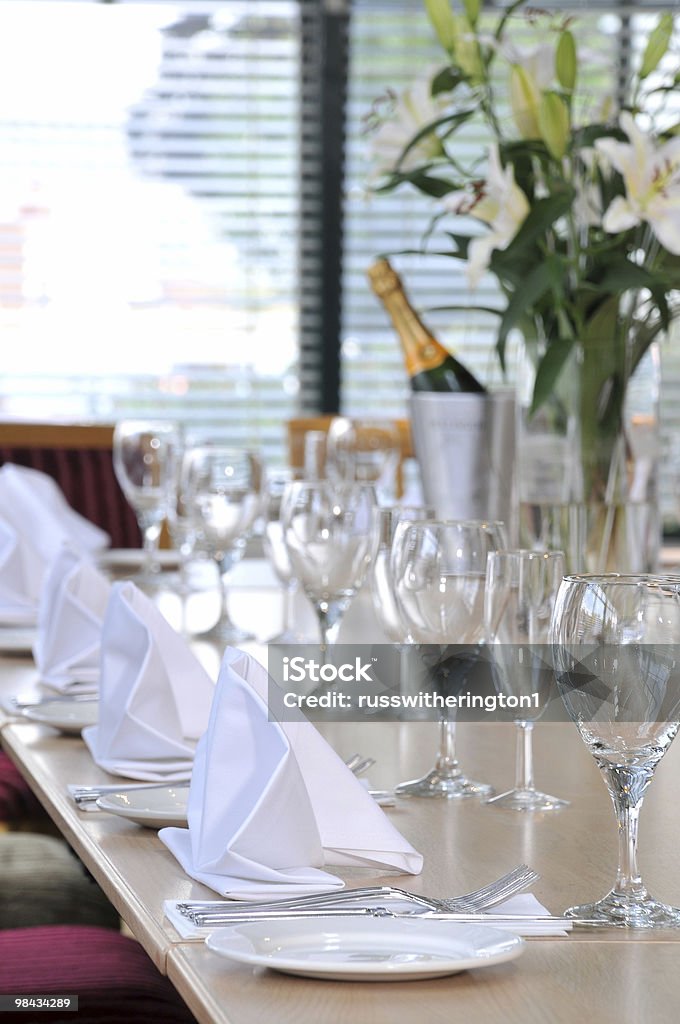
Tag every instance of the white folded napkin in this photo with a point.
(270, 802)
(35, 520)
(70, 618)
(525, 904)
(154, 695)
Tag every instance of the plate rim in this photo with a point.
(105, 803)
(40, 716)
(368, 970)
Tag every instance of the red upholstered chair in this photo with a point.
(111, 974)
(17, 801)
(80, 459)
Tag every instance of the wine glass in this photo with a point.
(277, 553)
(365, 451)
(521, 588)
(221, 487)
(327, 533)
(384, 525)
(617, 664)
(439, 571)
(145, 454)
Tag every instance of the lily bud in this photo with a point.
(525, 101)
(553, 120)
(565, 61)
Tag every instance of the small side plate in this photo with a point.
(68, 716)
(153, 808)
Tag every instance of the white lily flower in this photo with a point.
(503, 207)
(414, 109)
(651, 176)
(538, 61)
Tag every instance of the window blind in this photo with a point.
(150, 216)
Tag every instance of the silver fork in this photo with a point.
(209, 912)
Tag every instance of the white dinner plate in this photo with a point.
(69, 716)
(154, 808)
(17, 639)
(366, 949)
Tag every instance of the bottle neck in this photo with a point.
(422, 352)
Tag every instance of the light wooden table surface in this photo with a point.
(603, 976)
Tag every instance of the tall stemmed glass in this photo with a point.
(365, 451)
(384, 525)
(145, 454)
(221, 487)
(277, 553)
(617, 663)
(439, 573)
(327, 532)
(521, 588)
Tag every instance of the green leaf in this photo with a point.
(446, 80)
(622, 276)
(549, 369)
(450, 122)
(565, 61)
(535, 286)
(540, 218)
(657, 44)
(441, 16)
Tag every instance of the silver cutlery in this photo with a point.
(321, 914)
(90, 794)
(359, 765)
(208, 912)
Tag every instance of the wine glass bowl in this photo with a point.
(326, 530)
(617, 664)
(145, 455)
(438, 570)
(277, 553)
(364, 451)
(521, 588)
(221, 488)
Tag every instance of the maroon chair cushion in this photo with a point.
(111, 974)
(88, 480)
(16, 799)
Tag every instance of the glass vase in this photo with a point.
(588, 458)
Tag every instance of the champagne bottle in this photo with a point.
(429, 366)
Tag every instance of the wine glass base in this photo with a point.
(225, 633)
(528, 800)
(289, 636)
(437, 785)
(619, 911)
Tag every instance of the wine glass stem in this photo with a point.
(329, 614)
(151, 534)
(290, 590)
(224, 565)
(446, 759)
(628, 880)
(524, 765)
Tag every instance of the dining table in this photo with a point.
(605, 975)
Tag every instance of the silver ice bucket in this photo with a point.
(465, 447)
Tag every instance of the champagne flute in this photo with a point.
(617, 664)
(439, 577)
(145, 463)
(222, 489)
(384, 525)
(326, 530)
(521, 587)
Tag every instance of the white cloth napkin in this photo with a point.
(525, 904)
(70, 618)
(35, 520)
(270, 802)
(154, 696)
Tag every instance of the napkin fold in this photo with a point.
(70, 617)
(154, 695)
(35, 520)
(270, 802)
